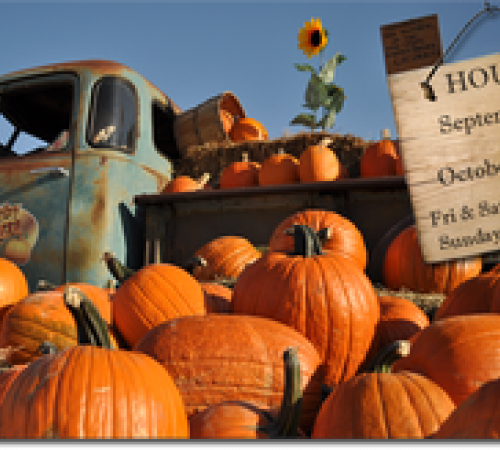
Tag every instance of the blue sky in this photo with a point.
(193, 50)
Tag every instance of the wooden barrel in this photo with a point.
(210, 121)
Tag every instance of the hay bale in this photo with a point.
(214, 157)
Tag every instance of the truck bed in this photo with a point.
(176, 225)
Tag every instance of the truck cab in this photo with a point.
(78, 141)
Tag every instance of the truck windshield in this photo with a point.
(33, 113)
(112, 121)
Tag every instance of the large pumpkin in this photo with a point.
(326, 298)
(91, 391)
(318, 163)
(280, 168)
(225, 357)
(402, 405)
(479, 294)
(343, 238)
(152, 295)
(246, 420)
(13, 285)
(225, 257)
(39, 317)
(459, 353)
(240, 174)
(404, 267)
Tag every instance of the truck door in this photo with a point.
(36, 117)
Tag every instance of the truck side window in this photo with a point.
(163, 131)
(112, 114)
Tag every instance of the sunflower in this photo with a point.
(312, 37)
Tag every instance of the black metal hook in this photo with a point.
(426, 84)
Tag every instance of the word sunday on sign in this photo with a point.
(451, 154)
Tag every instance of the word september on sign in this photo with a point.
(451, 154)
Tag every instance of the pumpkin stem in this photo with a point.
(91, 327)
(117, 269)
(194, 262)
(244, 157)
(307, 242)
(48, 348)
(203, 180)
(388, 355)
(287, 422)
(44, 285)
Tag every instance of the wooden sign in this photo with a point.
(451, 154)
(412, 44)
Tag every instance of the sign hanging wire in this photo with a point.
(425, 85)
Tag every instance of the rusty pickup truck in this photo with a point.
(86, 148)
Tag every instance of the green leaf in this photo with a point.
(316, 93)
(308, 120)
(305, 68)
(328, 71)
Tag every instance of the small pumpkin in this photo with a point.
(246, 420)
(280, 168)
(227, 357)
(225, 257)
(404, 267)
(217, 295)
(327, 298)
(247, 129)
(184, 183)
(343, 237)
(380, 158)
(379, 405)
(458, 353)
(319, 163)
(239, 174)
(55, 396)
(152, 295)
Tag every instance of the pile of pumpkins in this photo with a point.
(316, 163)
(301, 346)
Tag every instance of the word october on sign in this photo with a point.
(451, 154)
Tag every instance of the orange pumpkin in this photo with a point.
(246, 420)
(404, 267)
(247, 129)
(226, 357)
(400, 319)
(217, 298)
(401, 405)
(92, 391)
(184, 183)
(39, 317)
(280, 168)
(458, 353)
(476, 418)
(318, 163)
(13, 285)
(379, 159)
(226, 257)
(344, 237)
(152, 295)
(242, 173)
(327, 298)
(479, 294)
